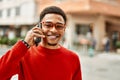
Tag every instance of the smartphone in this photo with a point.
(37, 40)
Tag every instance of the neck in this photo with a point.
(49, 46)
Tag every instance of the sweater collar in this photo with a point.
(48, 51)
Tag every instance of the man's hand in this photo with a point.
(31, 34)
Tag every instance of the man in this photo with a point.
(47, 61)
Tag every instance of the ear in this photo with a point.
(65, 27)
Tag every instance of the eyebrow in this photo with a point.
(55, 23)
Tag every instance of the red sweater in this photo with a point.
(39, 63)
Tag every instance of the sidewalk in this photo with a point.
(104, 66)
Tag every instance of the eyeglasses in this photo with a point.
(49, 25)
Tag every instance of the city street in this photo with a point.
(102, 66)
(3, 49)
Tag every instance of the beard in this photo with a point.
(52, 44)
(52, 39)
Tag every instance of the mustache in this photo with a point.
(51, 33)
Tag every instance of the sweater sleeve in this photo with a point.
(10, 61)
(78, 72)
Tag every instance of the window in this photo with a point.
(0, 13)
(82, 29)
(17, 11)
(8, 12)
(112, 2)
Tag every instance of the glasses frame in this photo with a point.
(53, 25)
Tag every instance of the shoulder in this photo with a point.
(70, 53)
(73, 57)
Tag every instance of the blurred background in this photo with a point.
(93, 29)
(88, 19)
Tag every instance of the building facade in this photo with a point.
(88, 18)
(16, 16)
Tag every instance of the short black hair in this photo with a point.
(53, 9)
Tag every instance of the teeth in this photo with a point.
(52, 37)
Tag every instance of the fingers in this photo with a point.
(37, 32)
(31, 34)
(38, 35)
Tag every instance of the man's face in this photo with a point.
(53, 26)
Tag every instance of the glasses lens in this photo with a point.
(48, 25)
(60, 26)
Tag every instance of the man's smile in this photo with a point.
(53, 36)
